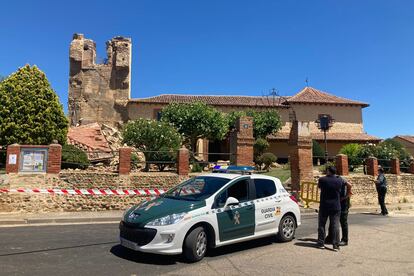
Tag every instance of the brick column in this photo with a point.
(372, 166)
(412, 167)
(54, 159)
(183, 161)
(300, 143)
(241, 142)
(342, 164)
(13, 153)
(125, 160)
(395, 166)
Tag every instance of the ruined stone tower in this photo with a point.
(99, 92)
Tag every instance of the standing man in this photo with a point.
(329, 207)
(381, 185)
(345, 204)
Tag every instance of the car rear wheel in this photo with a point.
(287, 228)
(195, 245)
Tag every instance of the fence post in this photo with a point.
(54, 159)
(125, 160)
(342, 164)
(372, 166)
(13, 155)
(395, 166)
(412, 167)
(183, 161)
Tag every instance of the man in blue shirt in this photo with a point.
(329, 207)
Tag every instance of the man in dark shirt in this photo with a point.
(329, 207)
(345, 204)
(381, 185)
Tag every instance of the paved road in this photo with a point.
(93, 250)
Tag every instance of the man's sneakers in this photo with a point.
(335, 248)
(343, 243)
(320, 245)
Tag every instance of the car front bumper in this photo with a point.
(166, 240)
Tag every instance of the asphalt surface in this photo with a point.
(93, 249)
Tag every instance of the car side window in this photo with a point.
(239, 190)
(264, 187)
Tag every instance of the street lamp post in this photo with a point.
(324, 123)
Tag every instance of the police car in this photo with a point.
(211, 210)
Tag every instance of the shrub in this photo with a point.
(267, 159)
(353, 151)
(196, 167)
(323, 168)
(72, 157)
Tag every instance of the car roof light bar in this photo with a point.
(233, 169)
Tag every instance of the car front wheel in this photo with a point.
(195, 245)
(287, 227)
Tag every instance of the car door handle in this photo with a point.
(278, 200)
(249, 208)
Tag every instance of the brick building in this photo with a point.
(407, 141)
(101, 93)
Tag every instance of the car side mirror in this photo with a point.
(231, 201)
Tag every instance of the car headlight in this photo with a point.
(126, 211)
(167, 220)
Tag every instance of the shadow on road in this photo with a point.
(148, 258)
(309, 242)
(371, 213)
(55, 249)
(239, 247)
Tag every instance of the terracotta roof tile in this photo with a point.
(312, 95)
(249, 101)
(407, 138)
(351, 137)
(90, 138)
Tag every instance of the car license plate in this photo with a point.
(128, 244)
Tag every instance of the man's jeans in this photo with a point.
(333, 216)
(382, 191)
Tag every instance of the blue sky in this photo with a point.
(363, 50)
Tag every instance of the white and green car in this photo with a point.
(211, 210)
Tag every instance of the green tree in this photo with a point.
(317, 150)
(259, 147)
(399, 150)
(265, 122)
(30, 111)
(196, 120)
(159, 141)
(353, 151)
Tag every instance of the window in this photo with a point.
(239, 191)
(33, 160)
(198, 188)
(264, 187)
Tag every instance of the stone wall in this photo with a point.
(37, 203)
(400, 189)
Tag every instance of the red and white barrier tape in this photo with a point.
(139, 192)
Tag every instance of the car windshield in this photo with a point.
(197, 188)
